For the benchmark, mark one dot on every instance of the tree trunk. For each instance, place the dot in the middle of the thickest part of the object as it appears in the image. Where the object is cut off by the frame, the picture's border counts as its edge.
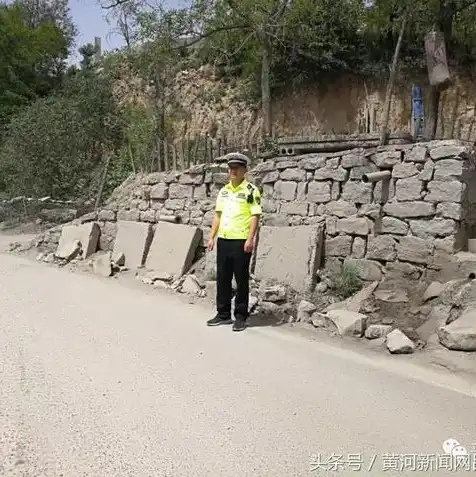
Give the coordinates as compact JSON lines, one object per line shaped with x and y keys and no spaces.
{"x":103,"y":181}
{"x":265,"y":87}
{"x":391,"y":81}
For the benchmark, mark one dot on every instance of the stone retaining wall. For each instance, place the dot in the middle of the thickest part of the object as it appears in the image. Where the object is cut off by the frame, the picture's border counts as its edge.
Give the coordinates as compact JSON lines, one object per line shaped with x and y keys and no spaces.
{"x":407,"y":224}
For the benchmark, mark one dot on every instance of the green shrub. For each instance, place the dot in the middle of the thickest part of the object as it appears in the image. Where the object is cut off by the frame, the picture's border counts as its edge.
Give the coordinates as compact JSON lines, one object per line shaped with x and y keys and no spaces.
{"x":346,"y":282}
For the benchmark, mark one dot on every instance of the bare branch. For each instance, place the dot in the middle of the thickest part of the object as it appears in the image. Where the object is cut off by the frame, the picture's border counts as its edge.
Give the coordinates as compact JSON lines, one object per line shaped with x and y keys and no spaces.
{"x":202,"y":36}
{"x":279,"y":11}
{"x":243,"y":44}
{"x":115,"y":4}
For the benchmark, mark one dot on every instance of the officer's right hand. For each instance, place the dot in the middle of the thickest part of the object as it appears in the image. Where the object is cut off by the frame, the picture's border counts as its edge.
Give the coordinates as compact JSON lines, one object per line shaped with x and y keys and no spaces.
{"x":210,"y":244}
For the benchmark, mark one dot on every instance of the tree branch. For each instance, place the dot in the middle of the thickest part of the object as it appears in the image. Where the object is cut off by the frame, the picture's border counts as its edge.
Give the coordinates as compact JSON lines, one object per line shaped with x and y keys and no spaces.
{"x":116,"y":3}
{"x":202,"y":36}
{"x":280,"y":9}
{"x":464,"y":5}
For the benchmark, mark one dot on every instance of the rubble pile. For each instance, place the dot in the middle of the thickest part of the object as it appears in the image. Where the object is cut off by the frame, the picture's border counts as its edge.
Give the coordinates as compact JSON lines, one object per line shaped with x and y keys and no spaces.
{"x":401,"y":236}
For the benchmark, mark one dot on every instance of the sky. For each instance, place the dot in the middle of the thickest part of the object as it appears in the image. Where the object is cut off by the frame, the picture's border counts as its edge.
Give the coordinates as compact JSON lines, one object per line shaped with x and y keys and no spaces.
{"x":90,"y":20}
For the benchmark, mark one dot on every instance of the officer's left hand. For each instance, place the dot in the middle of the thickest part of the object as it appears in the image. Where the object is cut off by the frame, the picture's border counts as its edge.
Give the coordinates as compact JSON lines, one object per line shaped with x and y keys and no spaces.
{"x":249,"y":246}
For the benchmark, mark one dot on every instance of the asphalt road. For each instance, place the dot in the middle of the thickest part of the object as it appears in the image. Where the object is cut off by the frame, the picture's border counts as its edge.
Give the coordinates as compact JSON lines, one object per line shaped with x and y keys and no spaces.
{"x":98,"y":378}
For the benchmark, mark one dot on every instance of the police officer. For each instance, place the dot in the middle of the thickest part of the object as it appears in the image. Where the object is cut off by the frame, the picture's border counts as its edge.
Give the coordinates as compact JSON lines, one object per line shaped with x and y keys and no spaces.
{"x":237,"y":213}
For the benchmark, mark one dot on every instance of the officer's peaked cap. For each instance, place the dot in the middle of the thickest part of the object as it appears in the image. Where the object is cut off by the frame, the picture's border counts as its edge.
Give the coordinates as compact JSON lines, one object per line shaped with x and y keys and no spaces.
{"x":236,"y":158}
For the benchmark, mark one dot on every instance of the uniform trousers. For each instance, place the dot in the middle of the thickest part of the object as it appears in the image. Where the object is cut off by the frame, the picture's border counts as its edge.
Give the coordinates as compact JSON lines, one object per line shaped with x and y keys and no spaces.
{"x":232,"y":260}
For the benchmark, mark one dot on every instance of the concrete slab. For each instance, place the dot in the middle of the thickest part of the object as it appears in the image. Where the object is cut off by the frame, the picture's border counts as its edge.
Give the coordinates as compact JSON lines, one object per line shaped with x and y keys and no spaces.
{"x":173,"y":248}
{"x":289,"y":255}
{"x":87,"y":234}
{"x":133,"y":239}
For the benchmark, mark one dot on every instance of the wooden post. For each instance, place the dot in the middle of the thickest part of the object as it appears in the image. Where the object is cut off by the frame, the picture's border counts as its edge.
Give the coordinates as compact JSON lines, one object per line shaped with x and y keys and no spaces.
{"x":391,"y":81}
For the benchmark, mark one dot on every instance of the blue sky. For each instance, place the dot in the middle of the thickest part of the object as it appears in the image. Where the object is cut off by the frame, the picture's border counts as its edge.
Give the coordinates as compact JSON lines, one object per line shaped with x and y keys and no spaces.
{"x":90,"y":20}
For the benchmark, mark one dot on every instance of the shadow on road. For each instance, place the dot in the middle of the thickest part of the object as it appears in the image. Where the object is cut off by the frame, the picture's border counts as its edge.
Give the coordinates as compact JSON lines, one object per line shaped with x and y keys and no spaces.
{"x":260,"y":320}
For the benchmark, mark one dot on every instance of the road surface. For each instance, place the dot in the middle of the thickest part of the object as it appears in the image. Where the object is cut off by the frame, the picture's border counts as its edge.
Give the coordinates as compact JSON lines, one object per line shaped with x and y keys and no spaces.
{"x":98,"y":378}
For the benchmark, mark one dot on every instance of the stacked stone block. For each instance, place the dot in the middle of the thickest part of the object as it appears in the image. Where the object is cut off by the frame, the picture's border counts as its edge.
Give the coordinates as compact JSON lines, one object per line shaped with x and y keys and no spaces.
{"x":411,"y":222}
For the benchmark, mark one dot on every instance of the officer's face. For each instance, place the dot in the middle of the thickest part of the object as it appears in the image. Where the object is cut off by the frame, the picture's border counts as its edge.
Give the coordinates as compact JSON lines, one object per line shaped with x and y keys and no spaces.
{"x":237,"y":172}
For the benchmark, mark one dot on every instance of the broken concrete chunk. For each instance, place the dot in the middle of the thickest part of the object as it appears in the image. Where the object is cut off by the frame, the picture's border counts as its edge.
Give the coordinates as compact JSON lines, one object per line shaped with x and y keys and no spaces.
{"x":133,"y":240}
{"x":348,"y":323}
{"x":399,"y":343}
{"x":392,"y":296}
{"x":460,"y":335}
{"x":268,"y":308}
{"x":437,"y":318}
{"x":119,"y":259}
{"x":274,"y":294}
{"x":305,"y":311}
{"x":145,"y":279}
{"x":355,"y":302}
{"x":289,"y":255}
{"x":433,"y":291}
{"x":321,"y":287}
{"x":374,"y":332}
{"x":49,"y":258}
{"x":190,"y":286}
{"x":102,"y":265}
{"x":69,"y":250}
{"x":158,"y":284}
{"x":320,"y":321}
{"x":159,"y":276}
{"x":459,"y":293}
{"x":86,"y":234}
{"x":173,"y":248}
{"x":447,"y":296}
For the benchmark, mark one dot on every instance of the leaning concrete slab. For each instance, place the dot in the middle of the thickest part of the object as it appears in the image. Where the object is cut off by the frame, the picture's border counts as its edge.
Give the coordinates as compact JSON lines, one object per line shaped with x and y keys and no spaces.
{"x":87,"y":234}
{"x":289,"y":255}
{"x":173,"y":248}
{"x":133,"y":239}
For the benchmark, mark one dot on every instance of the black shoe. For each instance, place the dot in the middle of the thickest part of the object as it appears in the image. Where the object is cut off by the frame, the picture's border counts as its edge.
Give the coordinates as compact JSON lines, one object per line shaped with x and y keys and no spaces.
{"x":239,"y":324}
{"x":219,"y":321}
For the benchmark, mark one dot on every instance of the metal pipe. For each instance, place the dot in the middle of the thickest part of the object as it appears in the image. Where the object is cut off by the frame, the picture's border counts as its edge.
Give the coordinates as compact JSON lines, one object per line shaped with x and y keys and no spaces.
{"x":376,"y":176}
{"x":173,"y":219}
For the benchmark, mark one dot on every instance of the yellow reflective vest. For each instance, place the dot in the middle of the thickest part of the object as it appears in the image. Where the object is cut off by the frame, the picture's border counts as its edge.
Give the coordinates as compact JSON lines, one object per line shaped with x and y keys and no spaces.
{"x":237,"y":206}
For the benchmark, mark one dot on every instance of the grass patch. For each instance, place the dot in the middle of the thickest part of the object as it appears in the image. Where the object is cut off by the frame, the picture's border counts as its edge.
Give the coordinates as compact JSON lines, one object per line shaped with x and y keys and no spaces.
{"x":346,"y":282}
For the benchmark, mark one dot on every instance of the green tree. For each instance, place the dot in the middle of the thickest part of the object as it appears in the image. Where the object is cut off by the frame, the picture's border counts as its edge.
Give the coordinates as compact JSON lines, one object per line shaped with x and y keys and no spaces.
{"x":56,"y":146}
{"x":455,"y":19}
{"x":279,"y":40}
{"x":33,"y":56}
{"x":88,"y":53}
